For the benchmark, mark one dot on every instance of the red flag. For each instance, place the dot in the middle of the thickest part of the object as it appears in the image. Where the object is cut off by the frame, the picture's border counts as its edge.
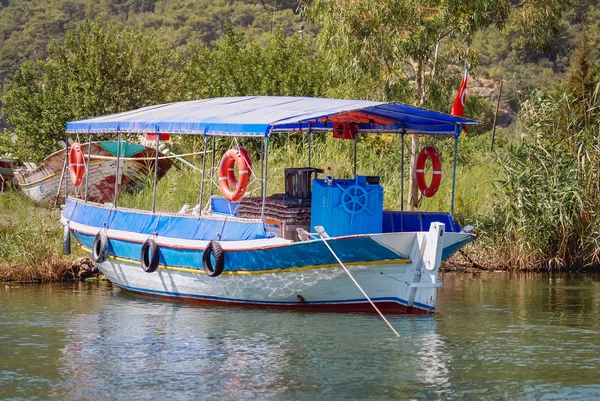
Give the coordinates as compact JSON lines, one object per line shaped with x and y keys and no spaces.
{"x":458,"y":108}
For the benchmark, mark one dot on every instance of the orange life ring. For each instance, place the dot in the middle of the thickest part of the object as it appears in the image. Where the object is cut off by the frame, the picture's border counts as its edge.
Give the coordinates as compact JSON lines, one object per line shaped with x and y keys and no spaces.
{"x":232,"y":157}
{"x":431,"y":153}
{"x":76,"y":164}
{"x":231,"y":180}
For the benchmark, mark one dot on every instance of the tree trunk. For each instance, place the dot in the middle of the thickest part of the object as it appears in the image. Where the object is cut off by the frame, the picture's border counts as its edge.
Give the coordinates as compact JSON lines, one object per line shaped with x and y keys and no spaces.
{"x":413,"y":188}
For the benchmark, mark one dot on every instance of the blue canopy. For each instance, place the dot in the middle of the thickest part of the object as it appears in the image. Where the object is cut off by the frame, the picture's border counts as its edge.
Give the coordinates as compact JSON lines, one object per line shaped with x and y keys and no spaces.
{"x":264,"y":115}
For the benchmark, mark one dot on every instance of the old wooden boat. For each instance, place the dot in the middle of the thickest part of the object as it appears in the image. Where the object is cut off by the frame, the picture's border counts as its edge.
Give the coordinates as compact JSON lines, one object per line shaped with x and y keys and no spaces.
{"x":325,"y":245}
{"x":43,"y":183}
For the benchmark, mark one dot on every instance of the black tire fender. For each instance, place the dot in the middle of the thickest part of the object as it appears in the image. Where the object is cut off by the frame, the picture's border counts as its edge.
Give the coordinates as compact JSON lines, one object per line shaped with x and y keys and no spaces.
{"x":67,"y":241}
{"x":100,"y":247}
{"x":215,"y":248}
{"x":149,"y":256}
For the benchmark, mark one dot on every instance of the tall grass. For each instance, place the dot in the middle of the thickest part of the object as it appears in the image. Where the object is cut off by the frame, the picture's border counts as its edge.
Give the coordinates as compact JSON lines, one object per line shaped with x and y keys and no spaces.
{"x":30,"y":241}
{"x":548,"y":212}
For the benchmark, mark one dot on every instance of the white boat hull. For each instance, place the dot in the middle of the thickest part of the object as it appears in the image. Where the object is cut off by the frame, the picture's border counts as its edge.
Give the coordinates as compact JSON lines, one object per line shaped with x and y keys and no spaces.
{"x":396,"y":287}
{"x":325,"y":289}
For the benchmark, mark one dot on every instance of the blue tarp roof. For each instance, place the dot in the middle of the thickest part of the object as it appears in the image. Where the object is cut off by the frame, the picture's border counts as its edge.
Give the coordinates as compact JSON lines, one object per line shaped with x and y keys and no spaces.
{"x":262,"y":115}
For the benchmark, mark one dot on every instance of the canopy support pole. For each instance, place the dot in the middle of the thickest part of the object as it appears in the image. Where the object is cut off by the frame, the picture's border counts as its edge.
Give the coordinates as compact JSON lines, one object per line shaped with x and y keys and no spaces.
{"x":355,"y":141}
{"x":456,"y":135}
{"x":402,"y":173}
{"x":155,"y":174}
{"x":265,"y":176}
{"x":87,"y":167}
{"x":62,"y":177}
{"x":309,"y":144}
{"x":212,"y":167}
{"x":203,"y":171}
{"x":66,"y":171}
{"x":262,"y":166}
{"x":118,"y":166}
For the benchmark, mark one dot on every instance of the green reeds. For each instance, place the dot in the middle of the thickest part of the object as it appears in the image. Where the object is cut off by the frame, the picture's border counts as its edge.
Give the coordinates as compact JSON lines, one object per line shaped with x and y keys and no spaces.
{"x":30,"y":241}
{"x":548,"y":214}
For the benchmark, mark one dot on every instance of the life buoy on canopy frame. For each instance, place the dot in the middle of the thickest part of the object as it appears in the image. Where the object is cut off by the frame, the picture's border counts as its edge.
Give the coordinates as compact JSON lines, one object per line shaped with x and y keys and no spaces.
{"x":76,"y":164}
{"x":226,"y":172}
{"x":429,"y":152}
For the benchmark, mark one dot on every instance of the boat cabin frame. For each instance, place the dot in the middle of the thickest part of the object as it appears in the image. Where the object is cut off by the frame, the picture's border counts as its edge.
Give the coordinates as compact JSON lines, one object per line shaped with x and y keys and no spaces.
{"x":262,"y":117}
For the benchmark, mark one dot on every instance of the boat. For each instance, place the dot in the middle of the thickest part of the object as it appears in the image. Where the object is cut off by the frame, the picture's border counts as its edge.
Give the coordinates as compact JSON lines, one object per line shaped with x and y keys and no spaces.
{"x":41,"y":183}
{"x":326,"y":244}
{"x":6,"y":172}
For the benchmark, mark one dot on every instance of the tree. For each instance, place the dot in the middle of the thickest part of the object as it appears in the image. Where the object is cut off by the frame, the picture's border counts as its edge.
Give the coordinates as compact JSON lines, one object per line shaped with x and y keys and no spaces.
{"x":583,"y":75}
{"x":237,"y":67}
{"x":234,"y":66}
{"x":401,"y":49}
{"x":102,"y":70}
{"x":98,"y":70}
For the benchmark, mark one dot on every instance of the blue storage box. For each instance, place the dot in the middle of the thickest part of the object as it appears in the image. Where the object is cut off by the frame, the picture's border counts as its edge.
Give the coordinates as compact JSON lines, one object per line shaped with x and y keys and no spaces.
{"x":347,"y":207}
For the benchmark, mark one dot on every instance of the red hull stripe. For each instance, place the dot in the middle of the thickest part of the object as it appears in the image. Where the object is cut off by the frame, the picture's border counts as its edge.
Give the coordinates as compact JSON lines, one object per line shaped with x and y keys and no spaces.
{"x":192,"y":248}
{"x":174,"y":246}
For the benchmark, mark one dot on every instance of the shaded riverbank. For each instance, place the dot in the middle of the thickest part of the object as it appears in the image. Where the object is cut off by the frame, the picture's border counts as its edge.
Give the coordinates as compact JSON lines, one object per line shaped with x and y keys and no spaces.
{"x":31,"y":244}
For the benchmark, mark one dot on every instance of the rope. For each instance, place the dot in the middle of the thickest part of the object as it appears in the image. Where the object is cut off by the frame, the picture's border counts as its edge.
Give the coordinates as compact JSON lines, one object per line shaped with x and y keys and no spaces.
{"x":324,"y":238}
{"x":98,"y":157}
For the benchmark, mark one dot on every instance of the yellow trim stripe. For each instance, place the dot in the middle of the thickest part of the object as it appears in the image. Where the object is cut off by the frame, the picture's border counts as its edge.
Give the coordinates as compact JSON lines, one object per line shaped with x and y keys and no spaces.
{"x":283,"y":270}
{"x":38,"y":181}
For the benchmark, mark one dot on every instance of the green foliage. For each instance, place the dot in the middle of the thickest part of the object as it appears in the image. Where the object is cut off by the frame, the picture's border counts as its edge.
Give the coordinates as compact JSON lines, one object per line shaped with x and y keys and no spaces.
{"x":102,"y":70}
{"x":106,"y":69}
{"x":28,"y":27}
{"x":401,"y":50}
{"x":533,"y":33}
{"x":510,"y":54}
{"x":387,"y":50}
{"x":176,"y":188}
{"x":583,"y":76}
{"x":98,"y":70}
{"x":548,"y":214}
{"x":30,"y":238}
{"x":536,"y":24}
{"x":234,"y":66}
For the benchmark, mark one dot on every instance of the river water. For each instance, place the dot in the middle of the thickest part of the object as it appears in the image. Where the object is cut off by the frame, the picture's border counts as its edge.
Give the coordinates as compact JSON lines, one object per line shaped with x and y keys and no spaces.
{"x":495,"y":336}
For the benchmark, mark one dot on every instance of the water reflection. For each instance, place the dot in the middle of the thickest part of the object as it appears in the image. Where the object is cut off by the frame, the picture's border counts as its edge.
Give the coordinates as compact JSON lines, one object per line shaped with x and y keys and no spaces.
{"x":494,"y":337}
{"x":523,"y":336}
{"x":143,"y":347}
{"x":434,"y":361}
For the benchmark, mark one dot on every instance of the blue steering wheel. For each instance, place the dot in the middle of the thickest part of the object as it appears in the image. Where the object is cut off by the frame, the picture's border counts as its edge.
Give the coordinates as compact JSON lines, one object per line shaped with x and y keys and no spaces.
{"x":354,"y":199}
